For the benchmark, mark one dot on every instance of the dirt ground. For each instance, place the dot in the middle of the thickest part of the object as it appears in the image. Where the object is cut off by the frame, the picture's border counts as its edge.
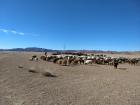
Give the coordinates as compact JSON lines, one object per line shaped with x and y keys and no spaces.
{"x":73,"y":85}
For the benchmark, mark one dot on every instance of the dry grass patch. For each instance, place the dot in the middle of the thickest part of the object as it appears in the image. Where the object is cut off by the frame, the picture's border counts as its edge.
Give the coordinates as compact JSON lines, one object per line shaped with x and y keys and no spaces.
{"x":48,"y":74}
{"x":33,"y":70}
{"x":20,"y":66}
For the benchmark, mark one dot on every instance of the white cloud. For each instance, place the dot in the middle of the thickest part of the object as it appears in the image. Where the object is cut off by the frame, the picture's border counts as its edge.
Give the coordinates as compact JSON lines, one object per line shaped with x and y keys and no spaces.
{"x":21,"y":33}
{"x":4,"y":30}
{"x":12,"y":32}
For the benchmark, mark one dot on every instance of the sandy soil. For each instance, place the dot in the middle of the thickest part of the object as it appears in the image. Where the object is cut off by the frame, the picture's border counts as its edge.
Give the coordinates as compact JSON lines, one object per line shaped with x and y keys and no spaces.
{"x":73,"y":85}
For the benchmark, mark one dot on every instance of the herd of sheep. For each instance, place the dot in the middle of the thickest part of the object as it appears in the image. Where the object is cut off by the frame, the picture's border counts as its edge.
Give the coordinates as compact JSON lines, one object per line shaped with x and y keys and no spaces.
{"x":74,"y":59}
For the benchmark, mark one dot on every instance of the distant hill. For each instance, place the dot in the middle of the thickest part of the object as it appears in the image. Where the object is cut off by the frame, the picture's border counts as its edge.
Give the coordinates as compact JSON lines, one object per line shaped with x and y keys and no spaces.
{"x":36,"y":49}
{"x":29,"y":49}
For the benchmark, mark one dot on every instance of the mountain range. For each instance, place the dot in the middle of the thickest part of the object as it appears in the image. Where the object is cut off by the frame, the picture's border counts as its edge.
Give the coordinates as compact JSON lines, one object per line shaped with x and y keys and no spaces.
{"x":36,"y":49}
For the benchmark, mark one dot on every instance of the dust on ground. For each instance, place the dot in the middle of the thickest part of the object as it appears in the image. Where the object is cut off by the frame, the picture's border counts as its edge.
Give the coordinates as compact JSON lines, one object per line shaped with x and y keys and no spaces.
{"x":72,"y":85}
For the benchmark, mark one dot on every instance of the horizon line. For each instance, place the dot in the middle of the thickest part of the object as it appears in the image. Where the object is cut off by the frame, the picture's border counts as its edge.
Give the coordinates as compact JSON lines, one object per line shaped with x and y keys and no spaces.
{"x":73,"y":49}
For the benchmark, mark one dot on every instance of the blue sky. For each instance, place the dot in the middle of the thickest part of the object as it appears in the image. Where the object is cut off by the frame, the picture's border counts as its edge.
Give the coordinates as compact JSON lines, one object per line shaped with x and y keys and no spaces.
{"x":77,"y":24}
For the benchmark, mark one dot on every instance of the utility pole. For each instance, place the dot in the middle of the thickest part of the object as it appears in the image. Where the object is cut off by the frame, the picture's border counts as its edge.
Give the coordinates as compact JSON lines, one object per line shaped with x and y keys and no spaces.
{"x":64,"y":48}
